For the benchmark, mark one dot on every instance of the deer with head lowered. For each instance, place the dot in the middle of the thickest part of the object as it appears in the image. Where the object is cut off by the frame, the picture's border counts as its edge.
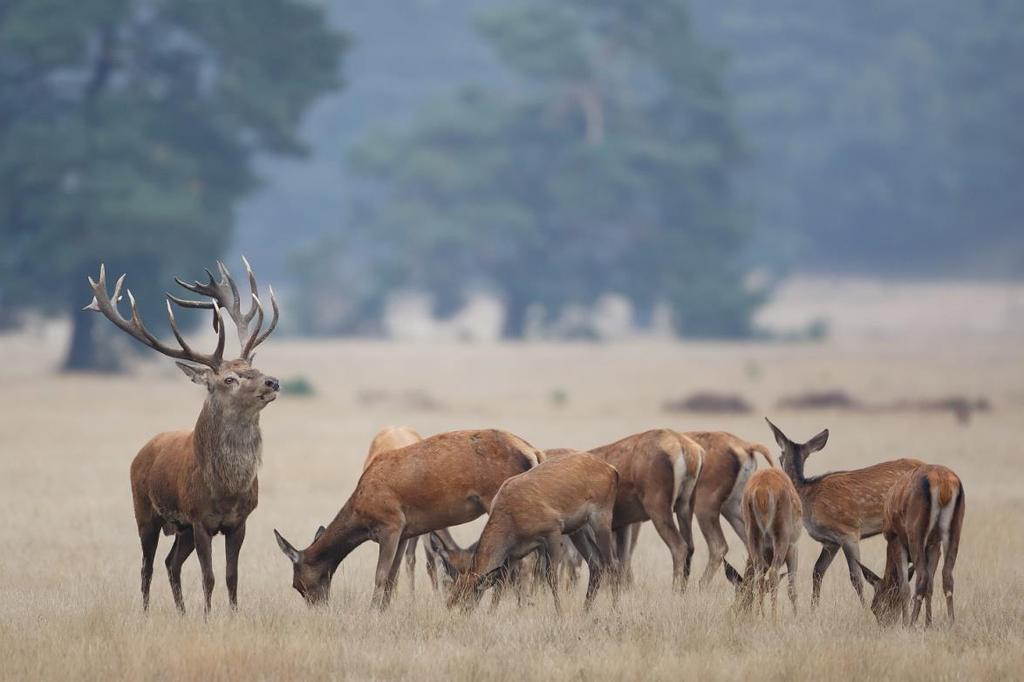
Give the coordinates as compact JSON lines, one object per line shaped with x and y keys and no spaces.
{"x":839,"y":507}
{"x":196,"y":484}
{"x":924,"y":514}
{"x":442,"y":481}
{"x":568,"y":495}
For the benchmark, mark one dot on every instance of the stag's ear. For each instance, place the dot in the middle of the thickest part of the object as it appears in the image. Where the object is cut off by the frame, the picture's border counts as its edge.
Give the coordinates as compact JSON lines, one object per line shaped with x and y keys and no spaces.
{"x":319,"y":533}
{"x":816,"y":443}
{"x":872,"y":579}
{"x":439,"y":549}
{"x":198,"y":375}
{"x":286,"y":547}
{"x":733,"y":575}
{"x":780,"y":437}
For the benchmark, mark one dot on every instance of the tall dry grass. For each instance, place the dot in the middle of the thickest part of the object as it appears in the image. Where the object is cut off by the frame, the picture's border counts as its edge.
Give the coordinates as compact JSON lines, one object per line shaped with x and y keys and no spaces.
{"x":69,"y":566}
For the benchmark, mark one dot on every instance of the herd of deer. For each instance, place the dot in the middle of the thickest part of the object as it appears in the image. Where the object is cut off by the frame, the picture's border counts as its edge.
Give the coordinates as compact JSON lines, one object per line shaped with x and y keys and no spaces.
{"x":554,"y":507}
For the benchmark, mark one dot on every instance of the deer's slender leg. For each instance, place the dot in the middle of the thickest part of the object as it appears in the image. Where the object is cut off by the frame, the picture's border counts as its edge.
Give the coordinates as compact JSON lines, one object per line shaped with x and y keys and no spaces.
{"x":232,"y":548}
{"x":684,"y":516}
{"x":553,"y":549}
{"x":828,"y":553}
{"x":852,"y":552}
{"x":949,"y":550}
{"x":149,"y":535}
{"x":792,"y":559}
{"x":389,"y":542}
{"x":389,"y":588}
{"x":204,"y":550}
{"x":661,"y":517}
{"x":180,"y":551}
{"x":431,"y":564}
{"x":931,"y":565}
{"x":711,"y":528}
{"x":410,"y":561}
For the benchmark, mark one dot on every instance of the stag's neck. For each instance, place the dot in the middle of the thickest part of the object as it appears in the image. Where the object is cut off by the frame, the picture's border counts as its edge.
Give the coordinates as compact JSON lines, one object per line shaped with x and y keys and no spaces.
{"x":228,"y":448}
{"x":344,"y":534}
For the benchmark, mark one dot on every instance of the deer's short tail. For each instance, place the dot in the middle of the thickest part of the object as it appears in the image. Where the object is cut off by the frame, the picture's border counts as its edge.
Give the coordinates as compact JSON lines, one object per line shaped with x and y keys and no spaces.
{"x":764,"y":452}
{"x":942,"y":489}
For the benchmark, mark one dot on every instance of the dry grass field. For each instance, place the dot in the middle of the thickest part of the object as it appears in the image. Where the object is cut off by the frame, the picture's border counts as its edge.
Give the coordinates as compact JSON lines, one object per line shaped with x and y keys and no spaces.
{"x":69,"y":594}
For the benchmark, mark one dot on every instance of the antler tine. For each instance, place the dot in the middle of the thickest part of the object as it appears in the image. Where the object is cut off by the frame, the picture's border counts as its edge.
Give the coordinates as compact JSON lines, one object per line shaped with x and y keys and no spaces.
{"x":273,"y":322}
{"x":218,"y":353}
{"x":252,"y":287}
{"x":102,"y":303}
{"x":250,"y":344}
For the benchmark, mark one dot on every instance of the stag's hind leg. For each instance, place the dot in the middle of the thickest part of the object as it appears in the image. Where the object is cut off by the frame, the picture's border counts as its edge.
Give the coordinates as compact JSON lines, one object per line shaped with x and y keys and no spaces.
{"x":149,"y":535}
{"x":184,"y":543}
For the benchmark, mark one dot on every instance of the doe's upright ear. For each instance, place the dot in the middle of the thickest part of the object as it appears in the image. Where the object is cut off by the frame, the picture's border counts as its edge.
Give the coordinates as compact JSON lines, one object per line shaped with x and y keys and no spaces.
{"x":780,"y":437}
{"x":286,"y":547}
{"x":816,"y":443}
{"x":732,"y":575}
{"x":869,"y":575}
{"x":198,"y":375}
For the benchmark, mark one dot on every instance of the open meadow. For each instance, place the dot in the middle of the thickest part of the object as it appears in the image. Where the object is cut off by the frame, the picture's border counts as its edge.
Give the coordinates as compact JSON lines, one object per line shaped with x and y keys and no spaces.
{"x":69,"y":572}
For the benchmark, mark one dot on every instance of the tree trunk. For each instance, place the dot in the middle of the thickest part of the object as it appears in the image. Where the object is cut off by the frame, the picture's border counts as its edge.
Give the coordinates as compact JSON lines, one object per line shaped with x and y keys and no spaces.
{"x":516,"y":307}
{"x":82,"y":350}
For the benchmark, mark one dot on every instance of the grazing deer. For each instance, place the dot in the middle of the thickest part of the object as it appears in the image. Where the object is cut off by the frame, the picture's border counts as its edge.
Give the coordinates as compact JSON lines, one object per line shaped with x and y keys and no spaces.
{"x":924,"y":513}
{"x":840,"y":507}
{"x":441,"y":481}
{"x":393,"y":438}
{"x":198,"y":483}
{"x":570,"y":495}
{"x":728,"y":463}
{"x":658,"y":471}
{"x":771,"y":513}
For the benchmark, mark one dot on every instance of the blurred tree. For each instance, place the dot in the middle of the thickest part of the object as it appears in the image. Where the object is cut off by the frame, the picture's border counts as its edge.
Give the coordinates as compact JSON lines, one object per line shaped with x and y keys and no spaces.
{"x":128,"y":129}
{"x":606,"y":168}
{"x":881,"y":131}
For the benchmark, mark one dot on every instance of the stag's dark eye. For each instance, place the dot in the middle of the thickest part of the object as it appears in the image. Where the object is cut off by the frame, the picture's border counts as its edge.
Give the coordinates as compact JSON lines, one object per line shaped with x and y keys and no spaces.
{"x":230,"y":380}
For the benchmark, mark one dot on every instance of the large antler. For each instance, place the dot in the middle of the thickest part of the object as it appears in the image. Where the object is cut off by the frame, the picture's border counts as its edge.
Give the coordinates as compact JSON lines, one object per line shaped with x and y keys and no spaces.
{"x":224,"y":294}
{"x":102,"y":303}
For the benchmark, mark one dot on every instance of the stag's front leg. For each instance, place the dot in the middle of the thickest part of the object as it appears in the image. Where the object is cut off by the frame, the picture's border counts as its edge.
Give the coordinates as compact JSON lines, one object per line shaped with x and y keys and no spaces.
{"x":204,"y":550}
{"x":232,"y":548}
{"x":389,"y":541}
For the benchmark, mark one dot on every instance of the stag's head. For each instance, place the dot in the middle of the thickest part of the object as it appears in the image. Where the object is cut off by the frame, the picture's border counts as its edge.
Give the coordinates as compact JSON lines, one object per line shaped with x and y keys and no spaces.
{"x":233,"y":385}
{"x":793,"y":454}
{"x":311,"y":579}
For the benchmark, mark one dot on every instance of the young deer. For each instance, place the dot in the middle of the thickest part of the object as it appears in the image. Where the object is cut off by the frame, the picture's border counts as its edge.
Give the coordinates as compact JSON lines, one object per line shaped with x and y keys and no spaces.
{"x":658,"y":470}
{"x":570,"y":495}
{"x":441,"y":481}
{"x":728,"y":464}
{"x":840,"y":507}
{"x":393,"y":438}
{"x":198,"y":483}
{"x":924,"y":514}
{"x":771,"y":513}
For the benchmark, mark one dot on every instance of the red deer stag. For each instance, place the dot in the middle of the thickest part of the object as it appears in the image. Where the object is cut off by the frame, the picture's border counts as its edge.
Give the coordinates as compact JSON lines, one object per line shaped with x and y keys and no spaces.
{"x":840,"y":507}
{"x":441,"y":481}
{"x":393,"y":438}
{"x":572,"y":495}
{"x":924,"y":513}
{"x":658,"y":470}
{"x":728,"y":464}
{"x":771,"y":513}
{"x":198,"y":483}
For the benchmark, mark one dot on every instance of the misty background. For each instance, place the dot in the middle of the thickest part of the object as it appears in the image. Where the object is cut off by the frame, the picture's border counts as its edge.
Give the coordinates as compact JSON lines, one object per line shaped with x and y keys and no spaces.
{"x":672,"y":165}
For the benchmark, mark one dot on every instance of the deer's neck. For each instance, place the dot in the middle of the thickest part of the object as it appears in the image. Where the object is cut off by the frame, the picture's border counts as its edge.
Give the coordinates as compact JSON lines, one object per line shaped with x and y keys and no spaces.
{"x":229,"y":448}
{"x":344,"y":534}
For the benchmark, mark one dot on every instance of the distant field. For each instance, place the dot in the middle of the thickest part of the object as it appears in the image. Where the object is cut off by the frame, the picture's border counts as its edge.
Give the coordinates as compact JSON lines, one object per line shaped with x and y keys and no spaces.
{"x":69,"y":569}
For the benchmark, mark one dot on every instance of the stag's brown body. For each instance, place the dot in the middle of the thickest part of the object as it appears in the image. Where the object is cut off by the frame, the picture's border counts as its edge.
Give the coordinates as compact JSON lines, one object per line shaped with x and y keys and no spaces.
{"x":841,"y":507}
{"x":196,"y":484}
{"x":441,"y":481}
{"x":772,"y":515}
{"x":564,"y":495}
{"x":924,"y":514}
{"x":658,"y":471}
